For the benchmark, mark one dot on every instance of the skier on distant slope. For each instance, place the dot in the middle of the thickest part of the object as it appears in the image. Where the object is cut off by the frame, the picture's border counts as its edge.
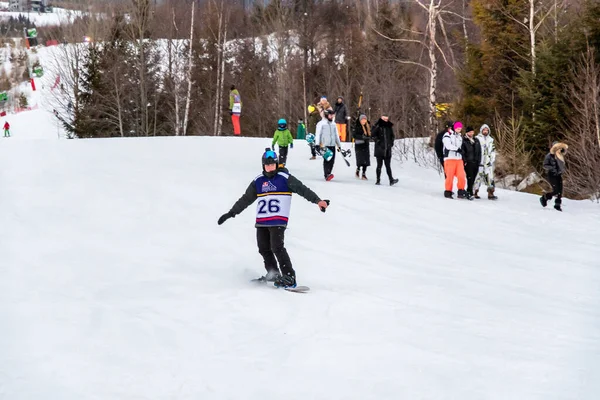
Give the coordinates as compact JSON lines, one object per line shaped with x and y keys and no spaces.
{"x":274,"y":188}
{"x":6,"y":129}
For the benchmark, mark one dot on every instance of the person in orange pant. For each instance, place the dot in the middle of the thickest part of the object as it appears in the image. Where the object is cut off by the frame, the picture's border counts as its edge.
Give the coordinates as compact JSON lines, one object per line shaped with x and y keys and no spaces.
{"x":454,"y":166}
{"x":235,"y":109}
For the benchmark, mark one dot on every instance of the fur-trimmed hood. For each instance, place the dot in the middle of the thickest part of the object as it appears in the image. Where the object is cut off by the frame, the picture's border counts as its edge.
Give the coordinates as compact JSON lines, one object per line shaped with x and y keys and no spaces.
{"x":556,"y":150}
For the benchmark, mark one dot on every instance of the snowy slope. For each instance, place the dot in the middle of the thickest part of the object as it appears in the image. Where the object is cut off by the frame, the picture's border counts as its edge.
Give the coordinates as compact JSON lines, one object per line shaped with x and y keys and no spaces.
{"x":57,"y":17}
{"x":117,"y":283}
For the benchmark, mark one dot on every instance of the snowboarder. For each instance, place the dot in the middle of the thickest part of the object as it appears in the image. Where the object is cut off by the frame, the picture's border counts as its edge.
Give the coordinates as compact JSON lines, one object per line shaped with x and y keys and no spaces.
{"x":383,"y":135}
{"x":6,"y":129}
{"x":283,"y":138}
{"x":454,"y":166}
{"x":328,"y":139}
{"x":471,"y":152}
{"x":235,"y":109}
{"x":273,"y":188}
{"x":362,"y":137}
{"x":486,"y":166}
{"x":554,"y":165}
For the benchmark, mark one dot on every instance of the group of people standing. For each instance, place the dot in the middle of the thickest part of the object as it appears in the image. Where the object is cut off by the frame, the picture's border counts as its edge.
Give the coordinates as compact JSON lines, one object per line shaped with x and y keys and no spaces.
{"x":327,"y":129}
{"x":470,"y":159}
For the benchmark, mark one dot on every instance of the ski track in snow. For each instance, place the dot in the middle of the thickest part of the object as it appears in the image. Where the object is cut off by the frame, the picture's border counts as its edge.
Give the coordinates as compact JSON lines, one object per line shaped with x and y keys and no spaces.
{"x":117,"y":283}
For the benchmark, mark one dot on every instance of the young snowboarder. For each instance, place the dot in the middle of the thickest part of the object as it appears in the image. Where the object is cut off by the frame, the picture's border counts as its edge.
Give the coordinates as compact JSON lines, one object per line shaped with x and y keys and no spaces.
{"x":283,"y":138}
{"x":486,"y":167}
{"x":273,"y":188}
{"x":454,"y":166}
{"x":328,"y":139}
{"x":471,"y":152}
{"x":554,"y":165}
{"x":6,"y":129}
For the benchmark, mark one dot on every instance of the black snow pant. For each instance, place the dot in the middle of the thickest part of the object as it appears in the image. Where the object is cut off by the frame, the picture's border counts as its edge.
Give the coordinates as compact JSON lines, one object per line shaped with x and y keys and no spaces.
{"x":557,"y":188}
{"x":272,"y":248}
{"x":471,"y":169}
{"x":313,"y":150}
{"x":328,"y":165}
{"x":283,"y":152}
{"x":388,"y":166}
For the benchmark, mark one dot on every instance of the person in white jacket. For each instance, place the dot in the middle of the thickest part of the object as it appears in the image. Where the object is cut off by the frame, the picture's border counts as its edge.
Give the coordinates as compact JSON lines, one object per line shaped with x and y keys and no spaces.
{"x":328,"y":138}
{"x":488,"y":160}
{"x":454,"y":166}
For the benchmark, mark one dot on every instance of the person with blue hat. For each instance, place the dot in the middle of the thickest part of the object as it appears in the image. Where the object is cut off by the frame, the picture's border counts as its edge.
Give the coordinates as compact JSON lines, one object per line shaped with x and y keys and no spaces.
{"x":283,"y":138}
{"x":273,"y":189}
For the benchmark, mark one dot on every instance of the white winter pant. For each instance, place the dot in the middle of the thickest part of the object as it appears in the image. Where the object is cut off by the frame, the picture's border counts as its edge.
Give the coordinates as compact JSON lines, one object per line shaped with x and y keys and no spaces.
{"x":485,"y":176}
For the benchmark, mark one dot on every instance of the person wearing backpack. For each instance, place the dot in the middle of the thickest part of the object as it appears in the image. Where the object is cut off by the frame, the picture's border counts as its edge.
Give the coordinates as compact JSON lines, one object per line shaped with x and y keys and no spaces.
{"x":439,"y":145}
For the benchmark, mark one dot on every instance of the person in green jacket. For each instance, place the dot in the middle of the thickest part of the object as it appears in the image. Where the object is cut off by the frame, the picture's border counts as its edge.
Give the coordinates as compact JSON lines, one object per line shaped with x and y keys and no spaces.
{"x":283,"y":137}
{"x":301,"y":132}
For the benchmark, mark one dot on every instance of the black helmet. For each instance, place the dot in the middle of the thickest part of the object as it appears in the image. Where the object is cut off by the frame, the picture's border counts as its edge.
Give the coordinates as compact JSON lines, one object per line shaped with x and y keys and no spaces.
{"x":269,"y":157}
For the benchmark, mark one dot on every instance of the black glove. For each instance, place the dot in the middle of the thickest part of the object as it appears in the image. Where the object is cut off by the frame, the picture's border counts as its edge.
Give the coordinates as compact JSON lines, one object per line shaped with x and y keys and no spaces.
{"x":459,"y":151}
{"x":225,"y":217}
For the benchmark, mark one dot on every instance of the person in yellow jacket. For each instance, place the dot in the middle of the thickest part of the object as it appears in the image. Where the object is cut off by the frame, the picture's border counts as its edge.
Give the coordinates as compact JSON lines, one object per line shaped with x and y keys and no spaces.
{"x":283,"y":138}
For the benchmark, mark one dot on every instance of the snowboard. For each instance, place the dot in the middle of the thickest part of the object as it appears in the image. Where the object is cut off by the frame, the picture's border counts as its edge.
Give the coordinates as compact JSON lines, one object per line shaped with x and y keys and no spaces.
{"x":297,"y":289}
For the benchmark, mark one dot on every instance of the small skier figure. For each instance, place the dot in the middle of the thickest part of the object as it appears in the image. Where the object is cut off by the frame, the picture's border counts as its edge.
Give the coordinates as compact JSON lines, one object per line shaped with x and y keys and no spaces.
{"x":6,"y":129}
{"x":273,"y":188}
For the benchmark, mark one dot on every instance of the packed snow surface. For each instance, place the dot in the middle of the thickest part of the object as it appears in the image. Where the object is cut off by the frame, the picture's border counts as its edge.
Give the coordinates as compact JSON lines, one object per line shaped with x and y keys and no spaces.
{"x":117,"y":283}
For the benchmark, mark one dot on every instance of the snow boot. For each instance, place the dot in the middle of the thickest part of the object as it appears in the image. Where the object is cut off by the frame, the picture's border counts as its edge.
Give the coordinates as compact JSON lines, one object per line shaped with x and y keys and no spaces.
{"x":544,"y":200}
{"x":285,"y":281}
{"x":491,"y":195}
{"x":364,"y":177}
{"x":463,"y":194}
{"x":329,"y":177}
{"x":357,"y":173}
{"x":378,"y":182}
{"x":393,"y":181}
{"x":313,"y":158}
{"x":271,"y":276}
{"x":476,"y":195}
{"x":557,"y":207}
{"x":448,"y":194}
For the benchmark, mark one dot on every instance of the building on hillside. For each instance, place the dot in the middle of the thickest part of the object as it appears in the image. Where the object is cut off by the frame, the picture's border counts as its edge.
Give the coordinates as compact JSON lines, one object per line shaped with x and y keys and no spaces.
{"x":27,"y":5}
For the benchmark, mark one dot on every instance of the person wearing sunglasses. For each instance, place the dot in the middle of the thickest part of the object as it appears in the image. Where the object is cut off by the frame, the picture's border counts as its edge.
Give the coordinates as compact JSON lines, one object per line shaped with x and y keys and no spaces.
{"x":273,"y":188}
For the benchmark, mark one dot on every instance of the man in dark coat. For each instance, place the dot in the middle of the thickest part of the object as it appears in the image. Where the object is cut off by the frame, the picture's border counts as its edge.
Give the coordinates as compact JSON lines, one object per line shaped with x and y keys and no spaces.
{"x":362,"y":137}
{"x":554,"y":165}
{"x":383,"y":135}
{"x":471,"y":152}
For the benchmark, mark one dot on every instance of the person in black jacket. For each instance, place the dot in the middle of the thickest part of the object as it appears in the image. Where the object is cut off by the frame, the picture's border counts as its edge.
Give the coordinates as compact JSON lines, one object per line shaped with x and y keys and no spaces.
{"x":471,"y":152}
{"x":273,"y":188}
{"x":362,"y":137}
{"x":439,"y":144}
{"x":383,"y":135}
{"x":554,"y":165}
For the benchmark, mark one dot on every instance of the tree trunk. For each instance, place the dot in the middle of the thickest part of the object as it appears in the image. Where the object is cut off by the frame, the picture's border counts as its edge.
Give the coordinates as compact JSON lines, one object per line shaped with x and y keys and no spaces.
{"x":189,"y":77}
{"x":433,"y":65}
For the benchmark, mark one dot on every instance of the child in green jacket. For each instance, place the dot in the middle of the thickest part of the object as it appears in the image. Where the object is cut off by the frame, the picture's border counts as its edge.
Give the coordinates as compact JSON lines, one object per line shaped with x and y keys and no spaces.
{"x":283,"y":137}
